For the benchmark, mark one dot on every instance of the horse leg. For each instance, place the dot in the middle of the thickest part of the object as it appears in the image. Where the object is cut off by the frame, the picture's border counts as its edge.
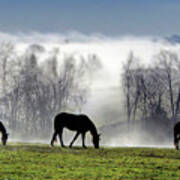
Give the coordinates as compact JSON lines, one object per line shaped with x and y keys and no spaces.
{"x":176,"y":140}
{"x":60,"y":138}
{"x":75,"y":137}
{"x":53,"y":138}
{"x":83,"y":140}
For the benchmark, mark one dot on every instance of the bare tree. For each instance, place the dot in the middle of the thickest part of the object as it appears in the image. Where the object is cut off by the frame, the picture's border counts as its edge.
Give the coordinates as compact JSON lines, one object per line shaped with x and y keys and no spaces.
{"x":167,"y":62}
{"x":129,"y":78}
{"x":31,"y":93}
{"x":145,"y":89}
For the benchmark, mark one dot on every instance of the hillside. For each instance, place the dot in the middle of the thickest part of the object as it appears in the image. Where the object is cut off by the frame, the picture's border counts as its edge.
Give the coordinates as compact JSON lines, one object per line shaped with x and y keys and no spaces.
{"x":35,"y":161}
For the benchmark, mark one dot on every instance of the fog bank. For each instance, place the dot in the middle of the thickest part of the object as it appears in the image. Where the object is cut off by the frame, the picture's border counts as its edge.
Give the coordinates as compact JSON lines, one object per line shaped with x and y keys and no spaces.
{"x":105,"y":97}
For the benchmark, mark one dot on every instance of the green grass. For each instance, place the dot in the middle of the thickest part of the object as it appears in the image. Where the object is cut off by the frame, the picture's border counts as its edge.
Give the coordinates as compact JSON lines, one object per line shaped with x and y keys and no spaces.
{"x":35,"y":161}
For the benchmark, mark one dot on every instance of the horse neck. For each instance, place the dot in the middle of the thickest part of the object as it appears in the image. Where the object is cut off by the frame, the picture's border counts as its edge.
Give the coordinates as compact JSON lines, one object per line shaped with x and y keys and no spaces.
{"x":2,"y":129}
{"x":93,"y":130}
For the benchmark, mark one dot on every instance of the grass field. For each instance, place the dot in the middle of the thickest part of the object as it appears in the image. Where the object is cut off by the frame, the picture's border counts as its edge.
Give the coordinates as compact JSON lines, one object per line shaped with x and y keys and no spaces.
{"x":36,"y":161}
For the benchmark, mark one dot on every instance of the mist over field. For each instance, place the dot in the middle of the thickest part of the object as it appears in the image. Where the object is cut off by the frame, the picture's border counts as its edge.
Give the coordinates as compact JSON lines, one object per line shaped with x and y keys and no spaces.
{"x":105,"y":96}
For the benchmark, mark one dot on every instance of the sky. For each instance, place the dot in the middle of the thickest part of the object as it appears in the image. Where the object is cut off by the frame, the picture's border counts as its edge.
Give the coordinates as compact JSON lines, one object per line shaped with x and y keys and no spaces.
{"x":108,"y":17}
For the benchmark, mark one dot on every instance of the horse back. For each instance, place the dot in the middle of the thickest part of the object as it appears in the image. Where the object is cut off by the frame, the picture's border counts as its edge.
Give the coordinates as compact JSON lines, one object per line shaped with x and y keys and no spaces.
{"x":73,"y":122}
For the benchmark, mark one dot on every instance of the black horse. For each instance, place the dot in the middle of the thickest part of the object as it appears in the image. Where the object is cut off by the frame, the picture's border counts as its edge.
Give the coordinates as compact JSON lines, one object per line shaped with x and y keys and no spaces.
{"x":177,"y":135}
{"x":79,"y":123}
{"x":4,"y":134}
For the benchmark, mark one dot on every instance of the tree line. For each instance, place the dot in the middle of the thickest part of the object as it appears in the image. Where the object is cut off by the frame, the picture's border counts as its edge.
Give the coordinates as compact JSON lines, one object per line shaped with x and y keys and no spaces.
{"x":33,"y":88}
{"x":33,"y":91}
{"x":152,"y":92}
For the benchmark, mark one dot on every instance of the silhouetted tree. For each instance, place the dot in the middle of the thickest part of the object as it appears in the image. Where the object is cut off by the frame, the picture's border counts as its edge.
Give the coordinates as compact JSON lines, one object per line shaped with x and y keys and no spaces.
{"x":34,"y":90}
{"x":131,"y":86}
{"x":146,"y":89}
{"x":167,"y":61}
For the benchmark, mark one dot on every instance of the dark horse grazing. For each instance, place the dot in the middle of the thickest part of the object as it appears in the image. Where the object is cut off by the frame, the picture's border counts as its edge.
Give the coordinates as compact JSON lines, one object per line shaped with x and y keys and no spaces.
{"x":4,"y":134}
{"x":177,"y":134}
{"x":79,"y":123}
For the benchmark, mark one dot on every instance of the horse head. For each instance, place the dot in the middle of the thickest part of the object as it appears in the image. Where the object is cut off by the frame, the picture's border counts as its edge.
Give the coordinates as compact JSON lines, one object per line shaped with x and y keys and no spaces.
{"x":95,"y":140}
{"x":4,"y":138}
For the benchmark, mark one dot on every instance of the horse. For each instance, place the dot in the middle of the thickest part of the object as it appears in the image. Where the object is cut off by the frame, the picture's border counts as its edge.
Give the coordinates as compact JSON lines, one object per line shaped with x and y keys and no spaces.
{"x":79,"y":123}
{"x":4,"y":134}
{"x":177,"y":135}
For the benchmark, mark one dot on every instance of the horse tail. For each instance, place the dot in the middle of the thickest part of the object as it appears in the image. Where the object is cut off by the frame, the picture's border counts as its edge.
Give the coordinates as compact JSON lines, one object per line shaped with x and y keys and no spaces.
{"x":56,"y":123}
{"x":54,"y":137}
{"x":175,"y":138}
